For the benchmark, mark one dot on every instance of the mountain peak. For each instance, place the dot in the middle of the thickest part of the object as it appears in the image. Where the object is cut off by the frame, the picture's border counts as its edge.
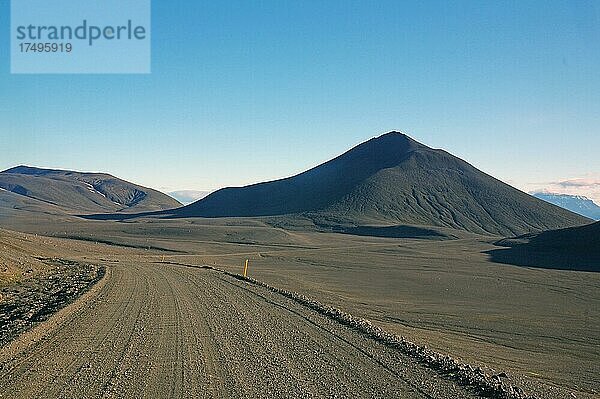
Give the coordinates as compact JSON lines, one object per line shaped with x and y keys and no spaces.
{"x":396,"y":139}
{"x":25,"y":170}
{"x":394,"y":133}
{"x":35,"y":171}
{"x":381,"y":152}
{"x":392,"y":179}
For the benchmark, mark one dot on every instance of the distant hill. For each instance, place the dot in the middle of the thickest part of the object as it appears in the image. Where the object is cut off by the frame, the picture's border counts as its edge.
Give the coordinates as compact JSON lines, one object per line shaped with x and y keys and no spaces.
{"x":574,"y":248}
{"x":575,"y":203}
{"x":77,"y":192}
{"x":392,"y":180}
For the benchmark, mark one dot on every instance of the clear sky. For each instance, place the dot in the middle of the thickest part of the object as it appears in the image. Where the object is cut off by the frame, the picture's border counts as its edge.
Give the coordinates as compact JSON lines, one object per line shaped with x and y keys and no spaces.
{"x":246,"y":91}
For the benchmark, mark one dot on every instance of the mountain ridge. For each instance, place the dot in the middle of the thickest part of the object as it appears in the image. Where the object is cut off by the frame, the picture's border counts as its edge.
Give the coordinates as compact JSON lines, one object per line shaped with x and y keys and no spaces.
{"x":392,"y":179}
{"x":82,"y":191}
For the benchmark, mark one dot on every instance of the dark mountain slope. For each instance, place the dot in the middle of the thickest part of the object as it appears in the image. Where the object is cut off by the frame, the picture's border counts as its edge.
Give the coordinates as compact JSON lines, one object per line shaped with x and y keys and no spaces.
{"x":82,"y":192}
{"x":393,"y":179}
{"x":312,"y":190}
{"x":574,"y":248}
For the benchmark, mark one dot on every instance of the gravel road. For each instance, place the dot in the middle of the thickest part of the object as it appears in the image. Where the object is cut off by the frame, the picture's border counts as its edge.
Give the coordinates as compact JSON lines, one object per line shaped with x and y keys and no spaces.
{"x":166,"y":331}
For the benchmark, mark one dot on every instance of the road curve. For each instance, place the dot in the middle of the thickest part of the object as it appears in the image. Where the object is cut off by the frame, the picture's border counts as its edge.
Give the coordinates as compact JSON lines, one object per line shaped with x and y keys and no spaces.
{"x":166,"y":331}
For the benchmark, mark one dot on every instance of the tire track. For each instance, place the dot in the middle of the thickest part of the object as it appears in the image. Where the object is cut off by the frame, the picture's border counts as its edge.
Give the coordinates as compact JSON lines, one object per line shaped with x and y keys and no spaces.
{"x":163,"y":331}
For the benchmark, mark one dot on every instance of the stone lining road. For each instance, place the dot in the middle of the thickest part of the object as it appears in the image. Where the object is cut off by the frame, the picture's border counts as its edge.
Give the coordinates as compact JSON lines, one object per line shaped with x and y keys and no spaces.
{"x":168,"y":331}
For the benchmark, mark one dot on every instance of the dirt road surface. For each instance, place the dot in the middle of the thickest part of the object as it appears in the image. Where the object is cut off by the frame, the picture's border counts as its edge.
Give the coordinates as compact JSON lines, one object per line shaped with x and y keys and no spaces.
{"x":166,"y":331}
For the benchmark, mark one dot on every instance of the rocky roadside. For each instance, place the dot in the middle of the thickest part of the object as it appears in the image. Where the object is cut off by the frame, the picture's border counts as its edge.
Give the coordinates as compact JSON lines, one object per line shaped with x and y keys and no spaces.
{"x":31,"y":301}
{"x":490,"y":386}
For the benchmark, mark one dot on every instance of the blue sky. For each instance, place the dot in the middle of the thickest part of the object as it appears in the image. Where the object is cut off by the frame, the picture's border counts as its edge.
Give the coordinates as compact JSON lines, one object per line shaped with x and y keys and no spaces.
{"x":242,"y":92}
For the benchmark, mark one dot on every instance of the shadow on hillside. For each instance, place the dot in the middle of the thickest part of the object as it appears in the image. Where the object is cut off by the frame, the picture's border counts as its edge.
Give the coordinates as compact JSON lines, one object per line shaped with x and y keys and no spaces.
{"x":392,"y":232}
{"x":546,"y":258}
{"x":118,"y":217}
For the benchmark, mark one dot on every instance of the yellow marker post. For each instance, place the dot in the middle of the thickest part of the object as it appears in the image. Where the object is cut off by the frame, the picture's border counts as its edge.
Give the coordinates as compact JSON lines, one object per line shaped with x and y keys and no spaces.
{"x":246,"y":268}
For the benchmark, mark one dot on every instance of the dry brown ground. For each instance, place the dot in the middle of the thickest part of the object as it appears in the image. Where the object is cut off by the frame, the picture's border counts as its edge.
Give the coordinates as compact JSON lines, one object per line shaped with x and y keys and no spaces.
{"x":164,"y":331}
{"x":540,"y":324}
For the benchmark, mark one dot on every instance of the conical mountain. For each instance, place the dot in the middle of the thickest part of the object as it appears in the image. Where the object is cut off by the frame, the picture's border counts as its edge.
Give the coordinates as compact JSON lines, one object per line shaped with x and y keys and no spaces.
{"x":392,"y":179}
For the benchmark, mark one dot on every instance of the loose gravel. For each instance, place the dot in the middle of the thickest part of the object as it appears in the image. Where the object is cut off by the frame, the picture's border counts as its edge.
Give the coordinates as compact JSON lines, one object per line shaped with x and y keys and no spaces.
{"x":492,"y":386}
{"x":34,"y":300}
